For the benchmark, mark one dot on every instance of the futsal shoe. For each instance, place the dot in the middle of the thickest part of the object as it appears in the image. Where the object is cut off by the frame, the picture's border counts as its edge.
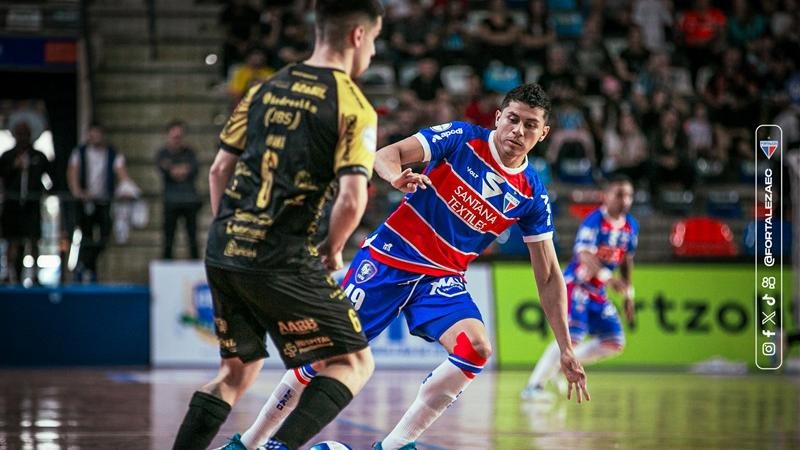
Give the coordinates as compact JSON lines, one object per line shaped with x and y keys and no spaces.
{"x":537,"y":394}
{"x":409,"y":446}
{"x":273,"y":444}
{"x":234,"y":443}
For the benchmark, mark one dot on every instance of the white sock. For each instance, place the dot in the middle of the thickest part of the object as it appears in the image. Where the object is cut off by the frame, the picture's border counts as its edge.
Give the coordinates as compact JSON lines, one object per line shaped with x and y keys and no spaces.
{"x":547,"y":367}
{"x":438,"y":391}
{"x":281,"y":403}
{"x":592,"y":351}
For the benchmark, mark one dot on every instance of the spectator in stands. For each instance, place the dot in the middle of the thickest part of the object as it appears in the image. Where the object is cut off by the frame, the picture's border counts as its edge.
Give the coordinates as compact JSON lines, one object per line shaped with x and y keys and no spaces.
{"x":732,"y":93}
{"x":538,"y":34}
{"x":254,"y":71}
{"x":270,"y":28}
{"x":427,"y":85}
{"x":625,"y":149}
{"x":178,"y":166}
{"x":745,"y":26}
{"x":670,"y":158}
{"x":240,"y":22}
{"x":496,"y":37}
{"x":558,"y":78}
{"x":413,"y":36}
{"x":634,"y":56}
{"x":592,"y":58}
{"x":654,"y":18}
{"x":617,"y":17}
{"x":94,"y":170}
{"x":21,"y":170}
{"x":571,"y":138}
{"x":295,"y":42}
{"x":702,"y":30}
{"x":455,"y":42}
{"x":656,"y":77}
{"x":699,"y":132}
{"x":482,"y":106}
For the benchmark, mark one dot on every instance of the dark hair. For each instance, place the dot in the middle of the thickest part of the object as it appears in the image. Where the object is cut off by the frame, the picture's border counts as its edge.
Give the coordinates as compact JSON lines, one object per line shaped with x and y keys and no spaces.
{"x":176,"y":123}
{"x":335,"y":18}
{"x":617,"y":178}
{"x":530,"y":94}
{"x":96,"y":124}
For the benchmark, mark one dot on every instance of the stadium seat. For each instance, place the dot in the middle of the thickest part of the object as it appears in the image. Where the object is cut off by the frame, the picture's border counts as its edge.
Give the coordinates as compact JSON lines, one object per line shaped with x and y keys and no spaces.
{"x":615,"y":46}
{"x":542,"y":169}
{"x":702,"y":237}
{"x":642,"y":205}
{"x":583,"y":202}
{"x":575,"y":170}
{"x":703,"y":77}
{"x":379,"y":77}
{"x":407,"y":74}
{"x":677,"y":201}
{"x":780,"y":227}
{"x":724,"y":204}
{"x":456,"y":79}
{"x":681,"y":81}
{"x":533,"y":72}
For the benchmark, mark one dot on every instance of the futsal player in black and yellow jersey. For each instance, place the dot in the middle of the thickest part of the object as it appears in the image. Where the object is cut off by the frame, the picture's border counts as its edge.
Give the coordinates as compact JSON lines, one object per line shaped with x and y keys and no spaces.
{"x":288,"y":142}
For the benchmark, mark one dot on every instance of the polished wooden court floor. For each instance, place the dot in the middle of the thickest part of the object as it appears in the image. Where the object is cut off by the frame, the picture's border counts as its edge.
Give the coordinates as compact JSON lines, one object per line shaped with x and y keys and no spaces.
{"x":141,"y":409}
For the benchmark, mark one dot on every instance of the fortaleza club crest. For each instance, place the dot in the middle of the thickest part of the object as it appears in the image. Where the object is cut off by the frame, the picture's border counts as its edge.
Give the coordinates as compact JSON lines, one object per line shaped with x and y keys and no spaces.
{"x":768,"y":147}
{"x":366,"y":270}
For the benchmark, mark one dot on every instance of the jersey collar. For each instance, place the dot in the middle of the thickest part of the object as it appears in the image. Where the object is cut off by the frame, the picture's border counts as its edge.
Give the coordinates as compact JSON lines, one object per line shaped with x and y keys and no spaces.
{"x":616,"y":223}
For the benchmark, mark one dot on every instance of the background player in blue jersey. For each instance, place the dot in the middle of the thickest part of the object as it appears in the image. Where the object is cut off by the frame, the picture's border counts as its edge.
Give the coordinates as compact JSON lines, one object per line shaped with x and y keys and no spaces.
{"x":606,"y":240}
{"x":476,"y":185}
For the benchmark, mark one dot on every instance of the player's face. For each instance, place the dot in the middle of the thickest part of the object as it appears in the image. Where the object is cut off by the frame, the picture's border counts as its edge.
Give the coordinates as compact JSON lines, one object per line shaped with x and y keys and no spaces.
{"x":519,"y":127}
{"x":619,"y":198}
{"x":365,"y":47}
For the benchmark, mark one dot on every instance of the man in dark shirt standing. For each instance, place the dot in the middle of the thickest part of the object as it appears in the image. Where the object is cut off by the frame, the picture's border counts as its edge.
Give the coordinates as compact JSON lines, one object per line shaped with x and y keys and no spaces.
{"x":21,"y":169}
{"x":178,"y":165}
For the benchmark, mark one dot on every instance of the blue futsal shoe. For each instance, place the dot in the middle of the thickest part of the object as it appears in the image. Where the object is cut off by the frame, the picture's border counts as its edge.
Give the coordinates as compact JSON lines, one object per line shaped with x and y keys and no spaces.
{"x":234,"y":443}
{"x":409,"y":446}
{"x":273,"y":444}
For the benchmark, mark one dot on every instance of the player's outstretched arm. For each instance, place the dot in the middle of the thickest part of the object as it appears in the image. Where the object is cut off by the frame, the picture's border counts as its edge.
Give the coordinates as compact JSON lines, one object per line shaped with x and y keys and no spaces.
{"x":218,"y":176}
{"x":553,"y":295}
{"x":345,"y":216}
{"x":390,"y":160}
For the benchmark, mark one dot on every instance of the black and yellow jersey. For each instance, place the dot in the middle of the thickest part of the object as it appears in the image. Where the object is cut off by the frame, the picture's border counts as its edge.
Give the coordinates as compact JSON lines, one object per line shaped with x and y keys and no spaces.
{"x":295,"y":133}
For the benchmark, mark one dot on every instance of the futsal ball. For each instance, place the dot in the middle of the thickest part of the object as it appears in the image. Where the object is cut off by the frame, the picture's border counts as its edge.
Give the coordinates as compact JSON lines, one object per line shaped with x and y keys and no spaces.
{"x":330,"y":445}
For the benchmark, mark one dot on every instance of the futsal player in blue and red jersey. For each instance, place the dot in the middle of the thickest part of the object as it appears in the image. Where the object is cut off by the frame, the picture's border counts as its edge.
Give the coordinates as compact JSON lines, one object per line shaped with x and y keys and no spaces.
{"x":606,"y":240}
{"x":477,"y":184}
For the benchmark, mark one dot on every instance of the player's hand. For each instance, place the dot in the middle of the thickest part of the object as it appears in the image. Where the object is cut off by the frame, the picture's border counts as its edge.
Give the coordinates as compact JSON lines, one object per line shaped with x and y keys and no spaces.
{"x":618,"y":285}
{"x":630,"y":309}
{"x":332,"y":260}
{"x":576,"y":377}
{"x":408,"y":181}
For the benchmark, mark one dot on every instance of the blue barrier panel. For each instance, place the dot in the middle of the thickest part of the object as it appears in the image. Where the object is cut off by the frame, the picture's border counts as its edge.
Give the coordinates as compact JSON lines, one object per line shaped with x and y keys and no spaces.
{"x":75,"y":326}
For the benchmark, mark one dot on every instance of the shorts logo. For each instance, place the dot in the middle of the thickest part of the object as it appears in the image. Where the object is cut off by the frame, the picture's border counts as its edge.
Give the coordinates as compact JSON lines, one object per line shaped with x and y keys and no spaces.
{"x":366,"y":270}
{"x":290,"y":350}
{"x":442,"y":127}
{"x":448,"y":287}
{"x":768,"y":148}
{"x":303,"y":326}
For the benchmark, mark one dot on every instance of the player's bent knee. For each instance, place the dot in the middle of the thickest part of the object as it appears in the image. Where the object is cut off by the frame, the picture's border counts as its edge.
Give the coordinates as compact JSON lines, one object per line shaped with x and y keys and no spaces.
{"x":615,"y":346}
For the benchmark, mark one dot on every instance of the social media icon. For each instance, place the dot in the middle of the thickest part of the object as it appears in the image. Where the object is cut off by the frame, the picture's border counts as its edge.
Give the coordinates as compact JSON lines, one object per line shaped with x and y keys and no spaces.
{"x":768,"y":348}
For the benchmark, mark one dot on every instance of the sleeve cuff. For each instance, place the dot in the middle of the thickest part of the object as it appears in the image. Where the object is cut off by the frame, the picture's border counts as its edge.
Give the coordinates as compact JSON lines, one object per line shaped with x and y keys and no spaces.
{"x":426,"y":147}
{"x":230,"y":149}
{"x":538,"y":237}
{"x":351,"y":170}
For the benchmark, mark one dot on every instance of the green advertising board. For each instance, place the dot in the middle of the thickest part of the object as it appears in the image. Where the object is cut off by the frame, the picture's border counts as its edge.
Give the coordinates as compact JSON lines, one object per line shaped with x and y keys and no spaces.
{"x":685,"y":314}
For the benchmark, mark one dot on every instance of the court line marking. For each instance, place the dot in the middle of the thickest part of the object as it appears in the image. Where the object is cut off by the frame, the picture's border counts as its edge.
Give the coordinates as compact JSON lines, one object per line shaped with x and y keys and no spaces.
{"x":370,"y":429}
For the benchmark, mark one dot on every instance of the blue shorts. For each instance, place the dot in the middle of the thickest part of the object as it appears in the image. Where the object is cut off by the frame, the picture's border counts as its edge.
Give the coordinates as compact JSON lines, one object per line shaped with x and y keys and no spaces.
{"x":430,"y":304}
{"x":589,"y":317}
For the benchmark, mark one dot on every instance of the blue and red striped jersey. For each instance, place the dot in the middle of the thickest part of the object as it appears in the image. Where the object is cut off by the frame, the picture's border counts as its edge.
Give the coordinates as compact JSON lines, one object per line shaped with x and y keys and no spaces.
{"x":610,"y":241}
{"x":474,"y":198}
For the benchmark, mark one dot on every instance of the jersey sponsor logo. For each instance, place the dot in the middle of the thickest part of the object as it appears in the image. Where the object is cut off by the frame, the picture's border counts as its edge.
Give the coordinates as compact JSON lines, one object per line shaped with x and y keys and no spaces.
{"x":491,"y":185}
{"x":302,"y":326}
{"x":608,"y":254}
{"x":446,"y":134}
{"x":509,"y":202}
{"x":370,"y":138}
{"x":442,"y":127}
{"x":366,"y":270}
{"x":448,"y":287}
{"x":471,"y":208}
{"x":318,"y":90}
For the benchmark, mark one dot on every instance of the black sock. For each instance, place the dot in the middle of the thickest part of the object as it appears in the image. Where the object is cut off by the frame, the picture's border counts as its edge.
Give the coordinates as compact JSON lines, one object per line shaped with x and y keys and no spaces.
{"x":206,"y":414}
{"x":322,"y":400}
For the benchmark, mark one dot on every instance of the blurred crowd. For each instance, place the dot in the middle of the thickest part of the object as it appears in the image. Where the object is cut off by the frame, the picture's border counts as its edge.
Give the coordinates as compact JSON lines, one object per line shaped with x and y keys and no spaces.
{"x":667,"y":92}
